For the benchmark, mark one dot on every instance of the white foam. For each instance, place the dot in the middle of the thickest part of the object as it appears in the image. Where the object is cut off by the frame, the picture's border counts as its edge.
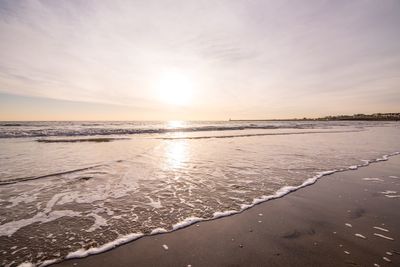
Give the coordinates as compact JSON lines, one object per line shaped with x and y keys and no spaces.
{"x":389,"y":192}
{"x":25,"y":198}
{"x":48,"y":262}
{"x":383,"y":158}
{"x":186,"y":222}
{"x":376,"y":265}
{"x":26,"y":264}
{"x":389,"y":253}
{"x":122,"y":240}
{"x":380,"y":228}
{"x":383,"y":236}
{"x":98,"y":222}
{"x":360,"y":236}
{"x":10,"y":228}
{"x":348,"y":253}
{"x":386,"y":259}
{"x":394,"y":177}
{"x":354,"y":167}
{"x":158,"y":231}
{"x":53,"y":201}
{"x":154,"y":204}
{"x":165,"y":247}
{"x":392,"y":196}
{"x":191,"y":220}
{"x":373,"y":179}
{"x":287,"y":189}
{"x":348,"y":225}
{"x":220,"y":214}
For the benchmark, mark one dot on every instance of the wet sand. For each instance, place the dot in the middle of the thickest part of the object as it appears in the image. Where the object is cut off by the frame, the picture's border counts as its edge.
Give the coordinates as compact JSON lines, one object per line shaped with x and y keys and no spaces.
{"x":314,"y":226}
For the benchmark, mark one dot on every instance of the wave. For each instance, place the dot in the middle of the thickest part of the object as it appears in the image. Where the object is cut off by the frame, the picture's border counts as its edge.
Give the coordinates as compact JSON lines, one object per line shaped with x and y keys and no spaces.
{"x":48,"y":129}
{"x":84,"y":131}
{"x":20,"y":124}
{"x":11,"y":124}
{"x":24,"y":179}
{"x":192,"y":220}
{"x":255,"y":134}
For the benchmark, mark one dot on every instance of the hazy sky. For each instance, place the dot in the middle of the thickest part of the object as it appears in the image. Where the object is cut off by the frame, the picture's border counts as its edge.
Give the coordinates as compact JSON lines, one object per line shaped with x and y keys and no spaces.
{"x":237,"y":59}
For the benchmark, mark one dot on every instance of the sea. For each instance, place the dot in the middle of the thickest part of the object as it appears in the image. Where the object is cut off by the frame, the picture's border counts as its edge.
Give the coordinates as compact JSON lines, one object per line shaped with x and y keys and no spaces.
{"x":71,"y":189}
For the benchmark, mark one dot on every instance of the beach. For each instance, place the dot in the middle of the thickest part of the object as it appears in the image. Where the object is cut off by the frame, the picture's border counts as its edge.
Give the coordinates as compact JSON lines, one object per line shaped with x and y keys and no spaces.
{"x":345,"y":219}
{"x":195,"y":133}
{"x":72,"y":189}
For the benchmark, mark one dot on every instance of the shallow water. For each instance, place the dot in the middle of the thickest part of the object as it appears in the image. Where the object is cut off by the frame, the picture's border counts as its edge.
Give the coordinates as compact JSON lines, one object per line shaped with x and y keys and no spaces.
{"x":61,"y":197}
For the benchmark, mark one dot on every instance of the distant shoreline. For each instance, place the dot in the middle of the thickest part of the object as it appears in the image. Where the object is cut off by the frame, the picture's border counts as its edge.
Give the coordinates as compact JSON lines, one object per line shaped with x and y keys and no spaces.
{"x":317,"y":120}
{"x":355,"y":117}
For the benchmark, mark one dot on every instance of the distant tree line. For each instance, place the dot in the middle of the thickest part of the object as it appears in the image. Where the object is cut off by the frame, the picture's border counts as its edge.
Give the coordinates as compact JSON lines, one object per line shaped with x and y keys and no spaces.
{"x":355,"y":117}
{"x":364,"y":117}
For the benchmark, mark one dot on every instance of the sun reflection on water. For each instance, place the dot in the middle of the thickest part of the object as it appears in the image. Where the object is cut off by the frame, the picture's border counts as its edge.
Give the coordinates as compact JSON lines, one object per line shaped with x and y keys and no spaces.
{"x":176,"y":124}
{"x":176,"y":153}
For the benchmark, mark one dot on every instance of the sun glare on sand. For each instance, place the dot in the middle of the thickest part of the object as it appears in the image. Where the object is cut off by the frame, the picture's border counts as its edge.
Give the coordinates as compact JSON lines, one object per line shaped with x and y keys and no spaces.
{"x":175,"y":88}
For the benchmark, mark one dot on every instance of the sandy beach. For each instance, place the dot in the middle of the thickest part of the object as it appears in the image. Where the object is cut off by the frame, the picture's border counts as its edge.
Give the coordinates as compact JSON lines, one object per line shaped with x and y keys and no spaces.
{"x":345,"y":219}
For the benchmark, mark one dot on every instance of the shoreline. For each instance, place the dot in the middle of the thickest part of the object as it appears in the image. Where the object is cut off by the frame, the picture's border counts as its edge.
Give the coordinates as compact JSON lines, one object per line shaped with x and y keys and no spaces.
{"x":92,"y":260}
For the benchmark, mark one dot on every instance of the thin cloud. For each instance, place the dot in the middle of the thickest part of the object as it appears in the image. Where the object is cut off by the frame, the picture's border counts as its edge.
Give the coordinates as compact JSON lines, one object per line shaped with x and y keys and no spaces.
{"x":242,"y":55}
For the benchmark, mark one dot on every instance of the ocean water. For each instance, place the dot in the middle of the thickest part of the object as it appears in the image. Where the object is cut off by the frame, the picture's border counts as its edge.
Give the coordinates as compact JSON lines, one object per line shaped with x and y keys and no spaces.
{"x":69,"y":189}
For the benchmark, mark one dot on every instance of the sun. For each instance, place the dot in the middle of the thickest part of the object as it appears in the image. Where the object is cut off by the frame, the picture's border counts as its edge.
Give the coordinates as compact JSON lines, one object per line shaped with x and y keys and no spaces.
{"x":175,"y":88}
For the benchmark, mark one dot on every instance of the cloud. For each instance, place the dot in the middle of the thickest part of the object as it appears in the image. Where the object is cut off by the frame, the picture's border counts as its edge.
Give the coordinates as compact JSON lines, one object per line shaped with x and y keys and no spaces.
{"x":242,"y":54}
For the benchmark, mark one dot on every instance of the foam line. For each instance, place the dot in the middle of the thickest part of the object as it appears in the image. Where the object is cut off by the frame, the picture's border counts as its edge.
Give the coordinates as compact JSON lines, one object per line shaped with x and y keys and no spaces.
{"x":386,"y":259}
{"x":373,"y":179}
{"x":192,"y":220}
{"x":360,"y":236}
{"x":383,"y":236}
{"x":84,"y":253}
{"x":25,"y":179}
{"x":380,"y":228}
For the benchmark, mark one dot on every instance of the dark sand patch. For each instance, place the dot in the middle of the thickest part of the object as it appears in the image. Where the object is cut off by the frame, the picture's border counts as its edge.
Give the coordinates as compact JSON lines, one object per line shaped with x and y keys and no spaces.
{"x":356,"y":213}
{"x":298,"y":233}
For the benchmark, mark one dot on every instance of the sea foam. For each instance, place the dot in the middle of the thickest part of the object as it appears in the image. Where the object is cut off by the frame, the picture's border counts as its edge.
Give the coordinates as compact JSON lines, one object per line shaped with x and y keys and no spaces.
{"x":191,"y":220}
{"x":98,"y":222}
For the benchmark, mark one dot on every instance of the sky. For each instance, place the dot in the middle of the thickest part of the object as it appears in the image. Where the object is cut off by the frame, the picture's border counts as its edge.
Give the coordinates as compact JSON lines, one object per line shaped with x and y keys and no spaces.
{"x":197,"y":60}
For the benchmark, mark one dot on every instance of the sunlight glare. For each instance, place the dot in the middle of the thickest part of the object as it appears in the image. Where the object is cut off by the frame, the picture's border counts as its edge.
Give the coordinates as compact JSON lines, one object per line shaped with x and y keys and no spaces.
{"x":176,"y":153}
{"x":176,"y":124}
{"x":175,"y":88}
